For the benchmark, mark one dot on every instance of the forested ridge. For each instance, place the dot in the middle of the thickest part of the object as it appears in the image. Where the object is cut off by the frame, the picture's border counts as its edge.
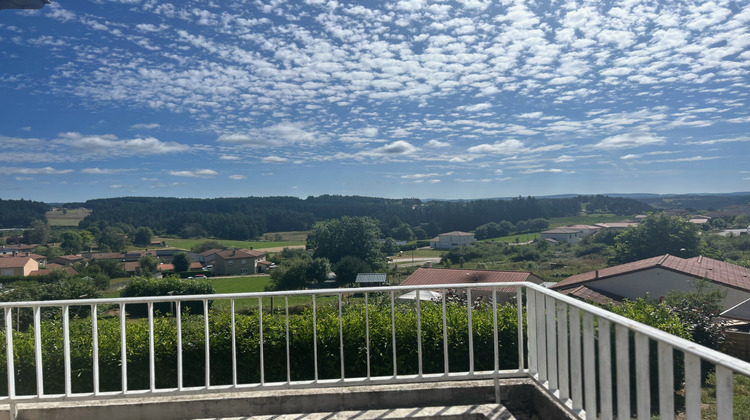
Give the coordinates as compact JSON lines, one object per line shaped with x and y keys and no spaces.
{"x":248,"y":217}
{"x":20,"y":213}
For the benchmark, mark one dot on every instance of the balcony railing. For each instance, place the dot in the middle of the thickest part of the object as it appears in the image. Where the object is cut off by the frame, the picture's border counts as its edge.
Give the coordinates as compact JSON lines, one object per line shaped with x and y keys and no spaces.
{"x":595,"y":363}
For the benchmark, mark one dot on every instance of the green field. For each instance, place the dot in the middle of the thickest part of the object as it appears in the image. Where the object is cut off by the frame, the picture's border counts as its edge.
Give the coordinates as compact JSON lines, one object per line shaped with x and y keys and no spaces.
{"x":585,"y":220}
{"x":68,"y":217}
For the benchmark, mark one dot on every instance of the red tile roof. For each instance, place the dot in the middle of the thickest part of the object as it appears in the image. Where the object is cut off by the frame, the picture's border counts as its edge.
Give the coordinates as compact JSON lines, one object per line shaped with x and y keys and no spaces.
{"x":591,"y":295}
{"x":239,"y":253}
{"x":700,"y":267}
{"x":14,"y":262}
{"x":440,"y":276}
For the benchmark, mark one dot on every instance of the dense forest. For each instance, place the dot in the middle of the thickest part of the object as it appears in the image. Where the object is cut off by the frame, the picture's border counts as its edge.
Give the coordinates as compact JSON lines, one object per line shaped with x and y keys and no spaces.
{"x":249,"y":217}
{"x":20,"y":213}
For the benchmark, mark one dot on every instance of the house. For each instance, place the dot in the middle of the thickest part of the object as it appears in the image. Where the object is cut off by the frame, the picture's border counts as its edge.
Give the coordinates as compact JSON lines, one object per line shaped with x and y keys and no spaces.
{"x":569,"y":234}
{"x":206,"y":257}
{"x":238,"y":261}
{"x":371,"y":279}
{"x":452,"y":239}
{"x":656,"y":277}
{"x":443,"y":276}
{"x":18,"y":266}
{"x":616,"y":226}
{"x":67,"y":259}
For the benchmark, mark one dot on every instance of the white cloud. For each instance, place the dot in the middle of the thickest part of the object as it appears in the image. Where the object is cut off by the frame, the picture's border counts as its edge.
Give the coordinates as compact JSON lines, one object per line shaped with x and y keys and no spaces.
{"x":151,"y":126}
{"x":47,"y":170}
{"x":196,"y":173}
{"x":97,"y":171}
{"x":237,"y":177}
{"x":281,"y":134}
{"x":543,"y":171}
{"x":507,"y":147}
{"x":396,"y":148}
{"x":436,"y":144}
{"x":275,"y":159}
{"x":629,"y":140}
{"x":420,"y":176}
{"x":110,"y":145}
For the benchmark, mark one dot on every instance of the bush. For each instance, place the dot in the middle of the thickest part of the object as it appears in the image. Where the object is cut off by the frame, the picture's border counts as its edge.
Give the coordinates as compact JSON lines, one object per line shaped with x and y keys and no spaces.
{"x":170,"y":285}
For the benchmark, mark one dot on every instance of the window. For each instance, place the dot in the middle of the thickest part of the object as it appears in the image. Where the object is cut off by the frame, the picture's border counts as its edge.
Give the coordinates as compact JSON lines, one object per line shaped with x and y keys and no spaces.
{"x":244,"y":261}
{"x":243,"y":271}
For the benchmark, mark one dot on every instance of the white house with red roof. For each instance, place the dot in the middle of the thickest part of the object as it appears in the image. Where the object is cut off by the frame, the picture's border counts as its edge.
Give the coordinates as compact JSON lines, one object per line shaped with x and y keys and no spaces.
{"x":452,"y":239}
{"x":18,"y":266}
{"x":656,"y":277}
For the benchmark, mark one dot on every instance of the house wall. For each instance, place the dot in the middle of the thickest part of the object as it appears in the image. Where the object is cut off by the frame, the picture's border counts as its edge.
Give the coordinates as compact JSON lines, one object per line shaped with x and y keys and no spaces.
{"x":450,"y":241}
{"x":658,"y":282}
{"x":236,"y":266}
{"x":572,"y":237}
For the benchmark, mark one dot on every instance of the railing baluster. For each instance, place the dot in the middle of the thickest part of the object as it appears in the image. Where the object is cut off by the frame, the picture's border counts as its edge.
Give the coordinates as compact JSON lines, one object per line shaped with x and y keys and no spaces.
{"x":393,"y":333}
{"x":471,"y":331}
{"x":367,"y":331}
{"x":234,"y":343}
{"x":178,"y":314}
{"x":605,"y":369}
{"x":66,"y":349}
{"x":531,"y":332}
{"x":123,"y":350}
{"x":692,"y":387}
{"x":622,"y":356}
{"x":288,"y":351}
{"x":9,"y":354}
{"x":541,"y":338}
{"x":576,"y":373}
{"x":38,"y":350}
{"x":562,"y":352}
{"x":445,"y":334}
{"x":315,"y":337}
{"x":519,"y":321}
{"x":260,"y":341}
{"x":666,"y":381}
{"x":589,"y":373}
{"x":207,"y":345}
{"x":495,"y":343}
{"x":551,"y":327}
{"x":724,"y":393}
{"x":95,"y":346}
{"x":341,"y":336}
{"x":419,"y":334}
{"x":151,"y":356}
{"x":642,"y":376}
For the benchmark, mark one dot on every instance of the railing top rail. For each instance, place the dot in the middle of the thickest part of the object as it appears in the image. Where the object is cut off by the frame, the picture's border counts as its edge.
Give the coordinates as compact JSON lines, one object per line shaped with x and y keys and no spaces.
{"x":248,"y":295}
{"x":713,"y":356}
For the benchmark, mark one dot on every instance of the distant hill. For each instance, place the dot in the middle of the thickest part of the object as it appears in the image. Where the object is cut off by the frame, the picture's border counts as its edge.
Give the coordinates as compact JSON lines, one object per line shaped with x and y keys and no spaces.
{"x":696,"y":202}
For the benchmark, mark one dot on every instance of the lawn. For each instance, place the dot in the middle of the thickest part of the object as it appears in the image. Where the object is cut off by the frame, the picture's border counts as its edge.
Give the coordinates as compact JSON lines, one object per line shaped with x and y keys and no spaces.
{"x":585,"y":220}
{"x":69,"y":217}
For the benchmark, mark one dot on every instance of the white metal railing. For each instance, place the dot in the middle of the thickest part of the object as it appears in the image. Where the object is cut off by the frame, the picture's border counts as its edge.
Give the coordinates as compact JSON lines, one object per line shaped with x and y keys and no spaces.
{"x":568,"y":350}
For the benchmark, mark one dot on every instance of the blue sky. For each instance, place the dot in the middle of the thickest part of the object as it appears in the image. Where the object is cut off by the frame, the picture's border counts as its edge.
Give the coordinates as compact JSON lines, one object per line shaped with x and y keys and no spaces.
{"x":443,"y":99}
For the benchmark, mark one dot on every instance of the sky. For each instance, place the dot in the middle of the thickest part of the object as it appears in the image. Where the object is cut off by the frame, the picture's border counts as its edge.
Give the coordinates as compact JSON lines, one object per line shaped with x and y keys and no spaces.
{"x":414,"y":98}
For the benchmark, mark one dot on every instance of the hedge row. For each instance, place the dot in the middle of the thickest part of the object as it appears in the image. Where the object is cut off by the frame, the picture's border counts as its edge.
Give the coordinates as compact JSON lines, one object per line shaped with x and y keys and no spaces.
{"x":274,"y":347}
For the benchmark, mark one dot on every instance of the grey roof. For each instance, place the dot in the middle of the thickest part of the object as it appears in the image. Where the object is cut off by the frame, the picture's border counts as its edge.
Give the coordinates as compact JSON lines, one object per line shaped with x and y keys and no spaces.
{"x":739,"y":311}
{"x":370,"y":278}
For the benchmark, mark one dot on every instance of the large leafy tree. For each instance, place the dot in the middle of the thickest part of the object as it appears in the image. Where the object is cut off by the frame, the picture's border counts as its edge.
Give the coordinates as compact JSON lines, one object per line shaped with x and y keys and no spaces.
{"x":357,"y":236}
{"x":299,"y":273}
{"x":347,"y":269}
{"x":72,"y":243}
{"x":143,"y":236}
{"x":659,"y":234}
{"x":181,"y":262}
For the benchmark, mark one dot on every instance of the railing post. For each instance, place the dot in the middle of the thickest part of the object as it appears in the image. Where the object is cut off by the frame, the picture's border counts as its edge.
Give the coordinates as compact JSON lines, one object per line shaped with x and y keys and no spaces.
{"x":551,"y":326}
{"x":66,"y":350}
{"x":531,"y":331}
{"x":541,"y":339}
{"x":622,"y":356}
{"x":605,"y":369}
{"x":576,"y":371}
{"x":9,"y":355}
{"x":562,"y":352}
{"x":519,"y":320}
{"x":38,"y":351}
{"x":724,"y":393}
{"x":151,"y":355}
{"x":692,"y":387}
{"x":642,"y":376}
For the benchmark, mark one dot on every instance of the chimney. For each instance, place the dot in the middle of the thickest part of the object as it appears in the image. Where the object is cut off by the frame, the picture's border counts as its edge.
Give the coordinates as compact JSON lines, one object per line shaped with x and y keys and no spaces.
{"x":596,"y":274}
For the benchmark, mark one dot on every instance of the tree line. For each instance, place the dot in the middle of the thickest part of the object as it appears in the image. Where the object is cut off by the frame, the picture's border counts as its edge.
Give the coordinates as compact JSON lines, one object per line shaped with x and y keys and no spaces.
{"x":21,"y":213}
{"x":251,"y":217}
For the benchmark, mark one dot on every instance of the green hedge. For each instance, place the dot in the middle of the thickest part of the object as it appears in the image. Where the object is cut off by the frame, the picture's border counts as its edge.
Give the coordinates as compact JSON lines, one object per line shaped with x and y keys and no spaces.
{"x":274,"y":351}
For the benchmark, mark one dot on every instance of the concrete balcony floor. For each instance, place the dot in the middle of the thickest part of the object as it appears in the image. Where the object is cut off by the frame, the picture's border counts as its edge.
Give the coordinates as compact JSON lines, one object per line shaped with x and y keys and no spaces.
{"x":520,"y":399}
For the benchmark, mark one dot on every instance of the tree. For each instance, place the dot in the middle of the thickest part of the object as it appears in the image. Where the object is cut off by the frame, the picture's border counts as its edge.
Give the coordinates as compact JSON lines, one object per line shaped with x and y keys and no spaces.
{"x":698,"y":310}
{"x":147,"y":264}
{"x":347,"y":269}
{"x":300,"y":273}
{"x":38,"y":234}
{"x":114,"y":239}
{"x":143,"y":236}
{"x":206,"y":245}
{"x":659,"y":234}
{"x":72,"y":243}
{"x":181,"y":262}
{"x":337,"y":238}
{"x":402,"y":232}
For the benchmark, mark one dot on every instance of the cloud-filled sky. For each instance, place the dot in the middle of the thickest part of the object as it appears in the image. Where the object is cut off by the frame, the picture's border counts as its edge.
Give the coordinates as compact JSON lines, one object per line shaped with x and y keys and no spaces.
{"x":411,"y":98}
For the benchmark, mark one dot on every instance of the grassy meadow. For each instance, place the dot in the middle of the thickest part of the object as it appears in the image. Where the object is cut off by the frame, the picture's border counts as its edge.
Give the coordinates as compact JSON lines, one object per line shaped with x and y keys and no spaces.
{"x":66,"y":218}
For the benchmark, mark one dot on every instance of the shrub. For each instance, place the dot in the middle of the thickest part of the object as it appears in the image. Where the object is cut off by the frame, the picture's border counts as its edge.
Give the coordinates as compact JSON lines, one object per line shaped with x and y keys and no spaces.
{"x":170,"y":285}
